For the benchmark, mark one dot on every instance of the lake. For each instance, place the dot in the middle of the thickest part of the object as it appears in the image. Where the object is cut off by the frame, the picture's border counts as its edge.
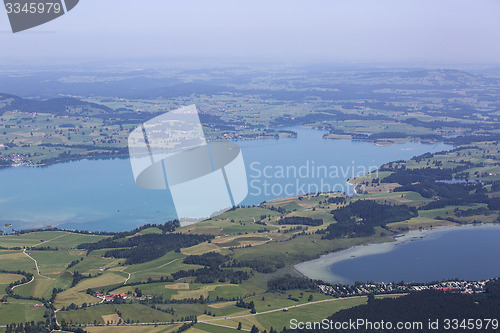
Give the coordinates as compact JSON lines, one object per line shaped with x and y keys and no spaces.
{"x":464,"y":252}
{"x":101,"y":195}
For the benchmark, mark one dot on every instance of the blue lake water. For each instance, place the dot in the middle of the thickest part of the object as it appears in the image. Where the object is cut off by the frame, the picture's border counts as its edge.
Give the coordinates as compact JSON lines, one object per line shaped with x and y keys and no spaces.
{"x":102,"y":195}
{"x":466,"y":252}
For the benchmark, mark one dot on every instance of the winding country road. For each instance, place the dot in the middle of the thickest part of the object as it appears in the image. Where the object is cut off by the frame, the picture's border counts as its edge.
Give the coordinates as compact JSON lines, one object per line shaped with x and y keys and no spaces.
{"x":23,"y":284}
{"x":36,"y":265}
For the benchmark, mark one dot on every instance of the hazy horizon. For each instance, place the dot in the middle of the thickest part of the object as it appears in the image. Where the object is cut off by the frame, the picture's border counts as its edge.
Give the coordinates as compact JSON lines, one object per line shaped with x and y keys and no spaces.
{"x":358,"y":31}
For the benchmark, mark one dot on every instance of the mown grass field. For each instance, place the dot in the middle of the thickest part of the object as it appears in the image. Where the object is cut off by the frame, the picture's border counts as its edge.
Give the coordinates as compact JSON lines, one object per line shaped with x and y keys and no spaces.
{"x":78,"y":295}
{"x":211,"y":328}
{"x":20,"y":311}
{"x":133,"y":329}
{"x":302,"y":311}
{"x":60,"y":239}
{"x":232,"y":222}
{"x":52,"y":263}
{"x":6,"y":279}
{"x":133,"y":312}
{"x":13,"y":260}
{"x":93,"y":262}
{"x":155,"y":269}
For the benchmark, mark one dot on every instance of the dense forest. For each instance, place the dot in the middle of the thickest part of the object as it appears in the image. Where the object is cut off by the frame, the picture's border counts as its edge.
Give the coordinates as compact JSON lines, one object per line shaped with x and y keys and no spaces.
{"x":267,"y":265}
{"x":359,"y":218}
{"x":143,"y":248}
{"x":405,"y":176}
{"x":289,"y":282}
{"x":300,"y":220}
{"x":210,"y":259}
{"x":447,"y":194}
{"x":213,"y":274}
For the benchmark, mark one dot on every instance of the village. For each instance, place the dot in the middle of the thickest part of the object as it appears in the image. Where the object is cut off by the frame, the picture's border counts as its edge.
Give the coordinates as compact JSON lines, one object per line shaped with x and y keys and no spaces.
{"x":465,"y":287}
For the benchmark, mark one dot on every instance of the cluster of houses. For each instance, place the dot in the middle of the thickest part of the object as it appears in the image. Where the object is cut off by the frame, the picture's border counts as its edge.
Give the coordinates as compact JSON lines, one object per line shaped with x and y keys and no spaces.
{"x":16,"y":159}
{"x":339,"y":290}
{"x":111,"y":297}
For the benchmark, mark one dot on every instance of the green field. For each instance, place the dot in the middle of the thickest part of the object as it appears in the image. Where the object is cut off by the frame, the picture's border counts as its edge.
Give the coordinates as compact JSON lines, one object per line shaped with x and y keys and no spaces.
{"x":279,"y":318}
{"x":132,"y":312}
{"x":20,"y":311}
{"x":11,"y":260}
{"x":60,"y":239}
{"x":133,"y":329}
{"x":6,"y":279}
{"x":155,"y":269}
{"x":77,"y":294}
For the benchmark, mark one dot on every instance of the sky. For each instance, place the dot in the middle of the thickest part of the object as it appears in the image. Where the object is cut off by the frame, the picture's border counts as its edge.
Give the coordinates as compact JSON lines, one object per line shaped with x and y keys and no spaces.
{"x":442,"y":31}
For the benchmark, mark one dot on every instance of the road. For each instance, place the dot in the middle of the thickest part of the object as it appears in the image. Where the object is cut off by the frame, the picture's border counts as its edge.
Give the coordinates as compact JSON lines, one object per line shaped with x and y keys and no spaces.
{"x":32,"y":279}
{"x":36,"y":265}
{"x":212,"y":320}
{"x":149,"y":269}
{"x":44,"y":242}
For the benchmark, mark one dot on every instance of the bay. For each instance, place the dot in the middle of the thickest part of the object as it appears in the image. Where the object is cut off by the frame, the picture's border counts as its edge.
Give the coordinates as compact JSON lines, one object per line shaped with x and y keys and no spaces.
{"x":465,"y":252}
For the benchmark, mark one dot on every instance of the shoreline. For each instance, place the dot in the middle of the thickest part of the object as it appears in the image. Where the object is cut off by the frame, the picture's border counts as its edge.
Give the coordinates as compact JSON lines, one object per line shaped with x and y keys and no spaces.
{"x":351,"y":191}
{"x":110,"y":155}
{"x":104,"y":155}
{"x":319,"y":269}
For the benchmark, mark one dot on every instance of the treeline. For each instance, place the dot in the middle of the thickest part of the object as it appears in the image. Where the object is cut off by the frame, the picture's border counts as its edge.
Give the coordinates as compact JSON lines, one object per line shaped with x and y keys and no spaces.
{"x":359,"y":218}
{"x":471,"y":212}
{"x":300,"y":220}
{"x":43,"y":248}
{"x":73,"y":263}
{"x":289,"y":282}
{"x":438,"y":189}
{"x":143,"y":248}
{"x":210,"y":259}
{"x":217,"y":260}
{"x":31,"y":327}
{"x":448,"y":194}
{"x":494,"y":203}
{"x":405,"y":176}
{"x":247,"y":305}
{"x":267,"y":265}
{"x":166,"y":227}
{"x":77,"y":277}
{"x":213,"y":274}
{"x":27,"y":277}
{"x":83,"y":146}
{"x":337,"y":200}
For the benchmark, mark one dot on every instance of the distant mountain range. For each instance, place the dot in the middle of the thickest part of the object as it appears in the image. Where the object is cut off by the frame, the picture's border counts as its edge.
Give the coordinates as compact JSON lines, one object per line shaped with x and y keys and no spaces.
{"x":56,"y":106}
{"x":298,"y":84}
